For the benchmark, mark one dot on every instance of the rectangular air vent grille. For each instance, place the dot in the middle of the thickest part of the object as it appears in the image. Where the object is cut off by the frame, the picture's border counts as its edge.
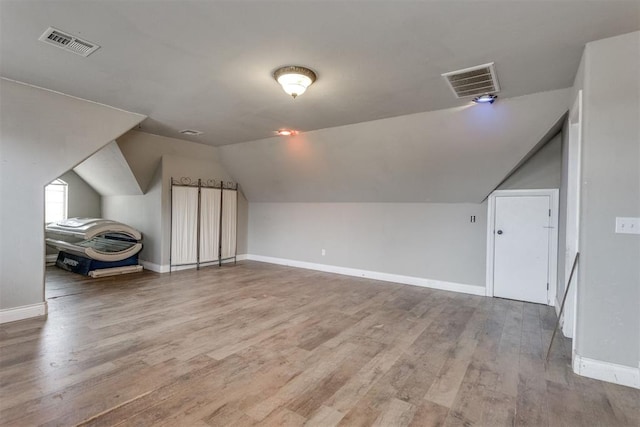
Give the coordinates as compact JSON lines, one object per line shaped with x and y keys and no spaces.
{"x":57,"y":37}
{"x":473,"y":81}
{"x":68,"y":42}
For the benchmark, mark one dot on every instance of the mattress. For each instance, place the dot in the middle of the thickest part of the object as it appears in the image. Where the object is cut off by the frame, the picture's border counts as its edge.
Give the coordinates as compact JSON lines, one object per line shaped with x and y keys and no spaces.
{"x":94,"y":238}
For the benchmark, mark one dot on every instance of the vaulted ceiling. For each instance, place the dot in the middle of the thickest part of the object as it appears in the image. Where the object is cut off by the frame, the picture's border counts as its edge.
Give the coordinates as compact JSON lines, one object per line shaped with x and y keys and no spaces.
{"x":453,"y":155}
{"x":207,"y":65}
{"x":109,"y":173}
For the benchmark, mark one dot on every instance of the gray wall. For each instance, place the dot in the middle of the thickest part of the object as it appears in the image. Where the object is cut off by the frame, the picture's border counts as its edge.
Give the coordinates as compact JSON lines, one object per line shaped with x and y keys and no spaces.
{"x":42,"y":135}
{"x":108,"y":172}
{"x":457,"y":155}
{"x":144,"y":151}
{"x":154,"y":160}
{"x":542,"y":170}
{"x":242,"y":236}
{"x":83,"y":200}
{"x":142,"y":213}
{"x":427,"y":240}
{"x":609,"y":274}
{"x":395,"y":160}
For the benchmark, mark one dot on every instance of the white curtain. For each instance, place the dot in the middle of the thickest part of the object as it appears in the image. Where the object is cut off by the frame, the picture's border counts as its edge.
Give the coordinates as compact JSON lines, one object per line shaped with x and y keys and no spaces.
{"x":229,"y":208}
{"x":184,"y":223}
{"x":209,"y":224}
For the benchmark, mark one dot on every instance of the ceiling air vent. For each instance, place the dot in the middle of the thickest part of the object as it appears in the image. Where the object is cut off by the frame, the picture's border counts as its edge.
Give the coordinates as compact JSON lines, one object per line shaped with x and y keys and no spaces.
{"x":191,"y":132}
{"x":473,"y":81}
{"x":68,"y":42}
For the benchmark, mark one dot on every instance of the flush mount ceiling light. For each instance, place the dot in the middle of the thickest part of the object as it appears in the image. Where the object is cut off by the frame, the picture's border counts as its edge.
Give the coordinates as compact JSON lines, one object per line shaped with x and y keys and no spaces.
{"x":191,"y":132}
{"x":294,"y":79}
{"x":286,"y":132}
{"x":485,"y":99}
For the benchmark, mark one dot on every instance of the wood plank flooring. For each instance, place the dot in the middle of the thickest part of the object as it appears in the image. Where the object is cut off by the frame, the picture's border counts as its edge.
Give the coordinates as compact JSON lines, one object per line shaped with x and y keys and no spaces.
{"x":258,"y":344}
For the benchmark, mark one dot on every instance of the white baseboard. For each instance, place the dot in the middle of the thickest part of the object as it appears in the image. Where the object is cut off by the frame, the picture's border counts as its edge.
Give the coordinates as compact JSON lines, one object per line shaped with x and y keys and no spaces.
{"x":165,"y":268}
{"x":193,"y":266}
{"x":23,"y":312}
{"x":51,"y":258}
{"x":147,"y":265}
{"x":605,"y":371}
{"x":386,"y":277}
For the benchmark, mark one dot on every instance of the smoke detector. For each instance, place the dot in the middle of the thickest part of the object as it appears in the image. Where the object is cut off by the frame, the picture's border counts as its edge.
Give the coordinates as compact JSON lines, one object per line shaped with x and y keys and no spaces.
{"x":473,"y":81}
{"x":68,"y":42}
{"x":191,"y":132}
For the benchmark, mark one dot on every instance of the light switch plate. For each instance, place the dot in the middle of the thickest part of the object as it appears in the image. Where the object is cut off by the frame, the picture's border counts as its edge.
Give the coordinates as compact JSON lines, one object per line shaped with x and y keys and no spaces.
{"x":627,"y":225}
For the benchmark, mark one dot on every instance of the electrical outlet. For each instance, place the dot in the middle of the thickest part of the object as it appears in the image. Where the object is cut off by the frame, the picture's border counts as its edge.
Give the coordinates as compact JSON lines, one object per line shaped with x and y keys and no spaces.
{"x":324,"y":252}
{"x":627,"y":225}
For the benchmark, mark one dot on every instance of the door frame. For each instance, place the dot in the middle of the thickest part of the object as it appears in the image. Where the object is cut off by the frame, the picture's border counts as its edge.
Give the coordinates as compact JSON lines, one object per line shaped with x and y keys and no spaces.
{"x":575,"y":123}
{"x":553,"y":194}
{"x":574,"y":154}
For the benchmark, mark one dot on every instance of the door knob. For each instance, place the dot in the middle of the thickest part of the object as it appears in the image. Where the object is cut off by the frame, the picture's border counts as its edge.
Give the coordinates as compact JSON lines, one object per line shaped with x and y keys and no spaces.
{"x":499,"y":231}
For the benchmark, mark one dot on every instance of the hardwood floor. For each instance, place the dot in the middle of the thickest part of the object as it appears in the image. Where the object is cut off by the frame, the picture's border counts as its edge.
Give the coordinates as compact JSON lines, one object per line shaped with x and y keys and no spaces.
{"x":259,"y":344}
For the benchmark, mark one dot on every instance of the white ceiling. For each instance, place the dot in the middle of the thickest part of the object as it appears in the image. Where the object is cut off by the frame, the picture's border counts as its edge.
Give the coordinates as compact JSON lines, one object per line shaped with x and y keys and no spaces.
{"x":454,"y":155}
{"x":207,"y":65}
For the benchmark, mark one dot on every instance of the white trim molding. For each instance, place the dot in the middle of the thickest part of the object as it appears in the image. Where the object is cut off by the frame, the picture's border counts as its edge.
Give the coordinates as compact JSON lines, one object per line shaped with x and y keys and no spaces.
{"x":23,"y":312}
{"x":552,"y":277}
{"x":385,"y":277}
{"x":165,"y":267}
{"x":572,"y":223}
{"x":606,"y":371}
{"x":147,"y":265}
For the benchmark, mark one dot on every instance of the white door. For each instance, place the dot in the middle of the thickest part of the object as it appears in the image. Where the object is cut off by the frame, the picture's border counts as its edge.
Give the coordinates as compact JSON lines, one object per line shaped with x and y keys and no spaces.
{"x":521,"y":248}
